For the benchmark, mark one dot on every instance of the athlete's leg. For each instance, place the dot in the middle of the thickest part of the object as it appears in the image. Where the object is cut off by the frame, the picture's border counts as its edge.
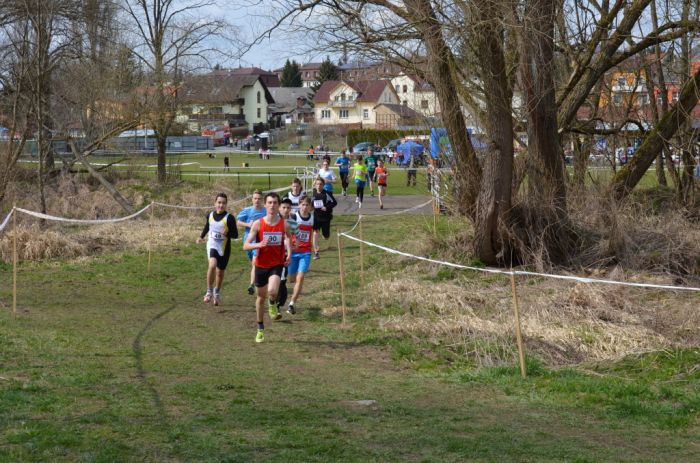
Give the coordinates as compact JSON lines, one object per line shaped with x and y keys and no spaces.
{"x":219,"y":277}
{"x":273,"y":286}
{"x":260,"y":302}
{"x":211,"y":272}
{"x":298,"y":285}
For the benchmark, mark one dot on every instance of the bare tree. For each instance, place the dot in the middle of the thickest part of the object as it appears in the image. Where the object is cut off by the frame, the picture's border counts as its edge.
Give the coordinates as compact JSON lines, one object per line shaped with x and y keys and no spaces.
{"x":171,"y":38}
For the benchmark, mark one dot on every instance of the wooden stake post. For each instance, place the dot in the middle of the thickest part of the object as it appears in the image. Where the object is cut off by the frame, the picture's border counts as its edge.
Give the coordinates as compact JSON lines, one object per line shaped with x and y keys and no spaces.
{"x":150,"y":239}
{"x":362,"y":255}
{"x":518,"y":333}
{"x":14,"y":260}
{"x":435,"y":214}
{"x":341,"y":269}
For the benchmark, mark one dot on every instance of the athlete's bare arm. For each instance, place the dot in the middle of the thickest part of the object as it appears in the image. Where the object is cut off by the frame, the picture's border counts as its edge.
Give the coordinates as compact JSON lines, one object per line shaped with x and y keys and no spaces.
{"x":249,"y":245}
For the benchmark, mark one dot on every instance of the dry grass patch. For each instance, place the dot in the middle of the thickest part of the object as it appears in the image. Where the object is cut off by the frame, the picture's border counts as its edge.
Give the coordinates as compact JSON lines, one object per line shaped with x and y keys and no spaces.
{"x":563,"y":323}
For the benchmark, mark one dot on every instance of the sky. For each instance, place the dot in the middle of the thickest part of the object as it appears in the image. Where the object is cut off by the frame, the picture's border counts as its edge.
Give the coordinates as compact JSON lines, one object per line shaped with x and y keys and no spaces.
{"x":252,"y":17}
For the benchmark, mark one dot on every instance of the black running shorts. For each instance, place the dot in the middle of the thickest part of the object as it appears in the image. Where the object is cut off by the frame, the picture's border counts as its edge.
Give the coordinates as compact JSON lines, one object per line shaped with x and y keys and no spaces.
{"x":221,"y":261}
{"x":325,"y":228}
{"x":262,"y":275}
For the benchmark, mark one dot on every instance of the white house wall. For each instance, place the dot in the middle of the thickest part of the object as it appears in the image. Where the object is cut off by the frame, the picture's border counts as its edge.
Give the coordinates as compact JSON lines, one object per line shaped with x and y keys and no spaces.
{"x":415,"y":98}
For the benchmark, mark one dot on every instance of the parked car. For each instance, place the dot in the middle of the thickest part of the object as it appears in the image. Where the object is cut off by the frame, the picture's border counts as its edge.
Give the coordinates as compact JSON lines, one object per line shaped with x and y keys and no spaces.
{"x":393,"y":144}
{"x":365,"y":146}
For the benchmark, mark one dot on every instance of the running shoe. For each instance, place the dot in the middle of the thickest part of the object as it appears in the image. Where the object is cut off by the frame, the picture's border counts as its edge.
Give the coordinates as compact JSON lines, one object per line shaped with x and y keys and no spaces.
{"x":251,"y":290}
{"x":274,"y":313}
{"x":371,"y":193}
{"x":260,"y":337}
{"x":290,"y":309}
{"x":357,"y":199}
{"x":359,"y":205}
{"x":217,"y":299}
{"x":345,"y":192}
{"x":207,"y":298}
{"x":381,"y":206}
{"x":317,"y":256}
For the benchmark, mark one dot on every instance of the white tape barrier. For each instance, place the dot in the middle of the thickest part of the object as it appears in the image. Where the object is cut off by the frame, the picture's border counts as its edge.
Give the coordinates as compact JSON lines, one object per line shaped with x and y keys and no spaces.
{"x":7,"y":220}
{"x":175,"y":206}
{"x":81,"y":221}
{"x":520,"y":272}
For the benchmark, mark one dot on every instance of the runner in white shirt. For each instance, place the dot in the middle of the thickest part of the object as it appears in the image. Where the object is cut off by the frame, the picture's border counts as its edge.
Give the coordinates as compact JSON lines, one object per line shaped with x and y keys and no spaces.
{"x":327,"y":175}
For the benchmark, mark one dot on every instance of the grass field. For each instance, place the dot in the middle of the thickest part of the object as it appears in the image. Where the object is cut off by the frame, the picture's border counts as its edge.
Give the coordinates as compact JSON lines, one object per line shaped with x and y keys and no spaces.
{"x":276,"y":172}
{"x":107,"y":362}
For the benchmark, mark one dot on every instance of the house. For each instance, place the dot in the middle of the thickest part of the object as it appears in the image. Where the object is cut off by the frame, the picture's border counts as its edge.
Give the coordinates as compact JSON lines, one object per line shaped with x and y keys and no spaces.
{"x":354,"y":103}
{"x":309,"y":74}
{"x":224,"y":99}
{"x":417,"y":94}
{"x":292,"y":104}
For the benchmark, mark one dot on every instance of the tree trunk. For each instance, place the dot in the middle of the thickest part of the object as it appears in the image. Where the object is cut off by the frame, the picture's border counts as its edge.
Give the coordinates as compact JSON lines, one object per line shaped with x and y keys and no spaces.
{"x":110,"y":188}
{"x":495,"y":200}
{"x":629,"y":176}
{"x":440,"y":63}
{"x":548,"y":215}
{"x":162,"y":172}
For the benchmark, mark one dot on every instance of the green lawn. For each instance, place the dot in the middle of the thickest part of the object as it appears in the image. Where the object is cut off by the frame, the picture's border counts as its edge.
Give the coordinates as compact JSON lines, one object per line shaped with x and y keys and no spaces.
{"x":107,"y":362}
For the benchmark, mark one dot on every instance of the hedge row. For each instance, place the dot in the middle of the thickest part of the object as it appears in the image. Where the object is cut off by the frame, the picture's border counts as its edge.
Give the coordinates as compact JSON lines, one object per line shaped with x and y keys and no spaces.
{"x":380,"y":137}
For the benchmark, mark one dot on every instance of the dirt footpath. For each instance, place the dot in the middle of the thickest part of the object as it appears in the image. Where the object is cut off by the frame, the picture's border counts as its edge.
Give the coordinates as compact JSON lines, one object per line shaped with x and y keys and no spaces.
{"x":370,"y":206}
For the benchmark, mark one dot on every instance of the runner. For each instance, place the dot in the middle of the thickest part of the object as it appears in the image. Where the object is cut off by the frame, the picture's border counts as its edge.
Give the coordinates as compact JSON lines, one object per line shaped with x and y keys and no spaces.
{"x":371,"y":162}
{"x":382,"y":173}
{"x":245,"y":219}
{"x":301,"y":251}
{"x":221,"y":227}
{"x":272,"y":242}
{"x":360,"y":176}
{"x":326,"y":174}
{"x":285,"y":210}
{"x":342,"y":162}
{"x":296,"y":194}
{"x":323,"y":202}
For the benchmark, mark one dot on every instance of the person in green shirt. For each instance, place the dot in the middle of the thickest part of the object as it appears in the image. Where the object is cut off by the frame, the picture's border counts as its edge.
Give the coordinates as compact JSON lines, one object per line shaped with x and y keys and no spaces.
{"x":360,"y":176}
{"x":371,"y":163}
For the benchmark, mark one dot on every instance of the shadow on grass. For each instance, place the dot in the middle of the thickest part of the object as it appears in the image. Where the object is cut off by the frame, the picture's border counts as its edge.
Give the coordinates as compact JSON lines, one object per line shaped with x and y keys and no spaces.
{"x":141,"y":372}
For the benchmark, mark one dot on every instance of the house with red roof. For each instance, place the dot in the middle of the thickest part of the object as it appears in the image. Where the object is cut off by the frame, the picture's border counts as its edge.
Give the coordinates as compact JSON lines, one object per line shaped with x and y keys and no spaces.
{"x":365,"y":103}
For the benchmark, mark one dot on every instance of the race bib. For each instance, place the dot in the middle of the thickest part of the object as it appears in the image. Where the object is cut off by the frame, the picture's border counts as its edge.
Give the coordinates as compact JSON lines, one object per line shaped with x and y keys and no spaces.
{"x":303,"y":236}
{"x":218,"y":236}
{"x":318,"y":203}
{"x":273,"y":238}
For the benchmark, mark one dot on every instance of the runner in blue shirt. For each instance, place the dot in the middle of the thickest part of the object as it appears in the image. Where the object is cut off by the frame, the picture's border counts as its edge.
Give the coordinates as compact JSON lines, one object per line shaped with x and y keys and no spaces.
{"x":245,"y":218}
{"x":342,"y":162}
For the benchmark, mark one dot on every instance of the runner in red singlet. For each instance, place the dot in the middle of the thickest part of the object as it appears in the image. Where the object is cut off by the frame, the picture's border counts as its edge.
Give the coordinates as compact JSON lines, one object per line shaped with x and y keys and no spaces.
{"x":273,"y":253}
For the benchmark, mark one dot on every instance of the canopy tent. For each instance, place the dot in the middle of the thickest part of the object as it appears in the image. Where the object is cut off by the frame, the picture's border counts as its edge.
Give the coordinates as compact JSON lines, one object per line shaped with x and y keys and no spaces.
{"x":407,"y":149}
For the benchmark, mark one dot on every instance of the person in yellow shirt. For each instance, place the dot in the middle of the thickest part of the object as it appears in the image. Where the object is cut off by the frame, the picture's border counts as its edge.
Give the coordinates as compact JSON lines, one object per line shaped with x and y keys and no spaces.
{"x":360,"y":177}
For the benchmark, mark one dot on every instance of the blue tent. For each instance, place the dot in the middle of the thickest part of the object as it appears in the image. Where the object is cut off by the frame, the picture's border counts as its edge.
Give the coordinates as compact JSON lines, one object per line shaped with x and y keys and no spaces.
{"x":406,"y":150}
{"x":440,"y":143}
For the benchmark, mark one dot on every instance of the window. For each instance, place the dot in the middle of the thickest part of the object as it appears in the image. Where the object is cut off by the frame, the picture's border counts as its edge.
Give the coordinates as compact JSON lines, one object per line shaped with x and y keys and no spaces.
{"x":405,"y":102}
{"x":325,"y":114}
{"x":258,"y":113}
{"x":617,"y":100}
{"x":621,"y":81}
{"x":424,"y":104}
{"x":405,"y":88}
{"x":216,"y":110}
{"x":258,"y":97}
{"x":344,"y":113}
{"x":640,"y":81}
{"x":674,"y":97}
{"x":365,"y":114}
{"x":342,"y":97}
{"x":643,"y":100}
